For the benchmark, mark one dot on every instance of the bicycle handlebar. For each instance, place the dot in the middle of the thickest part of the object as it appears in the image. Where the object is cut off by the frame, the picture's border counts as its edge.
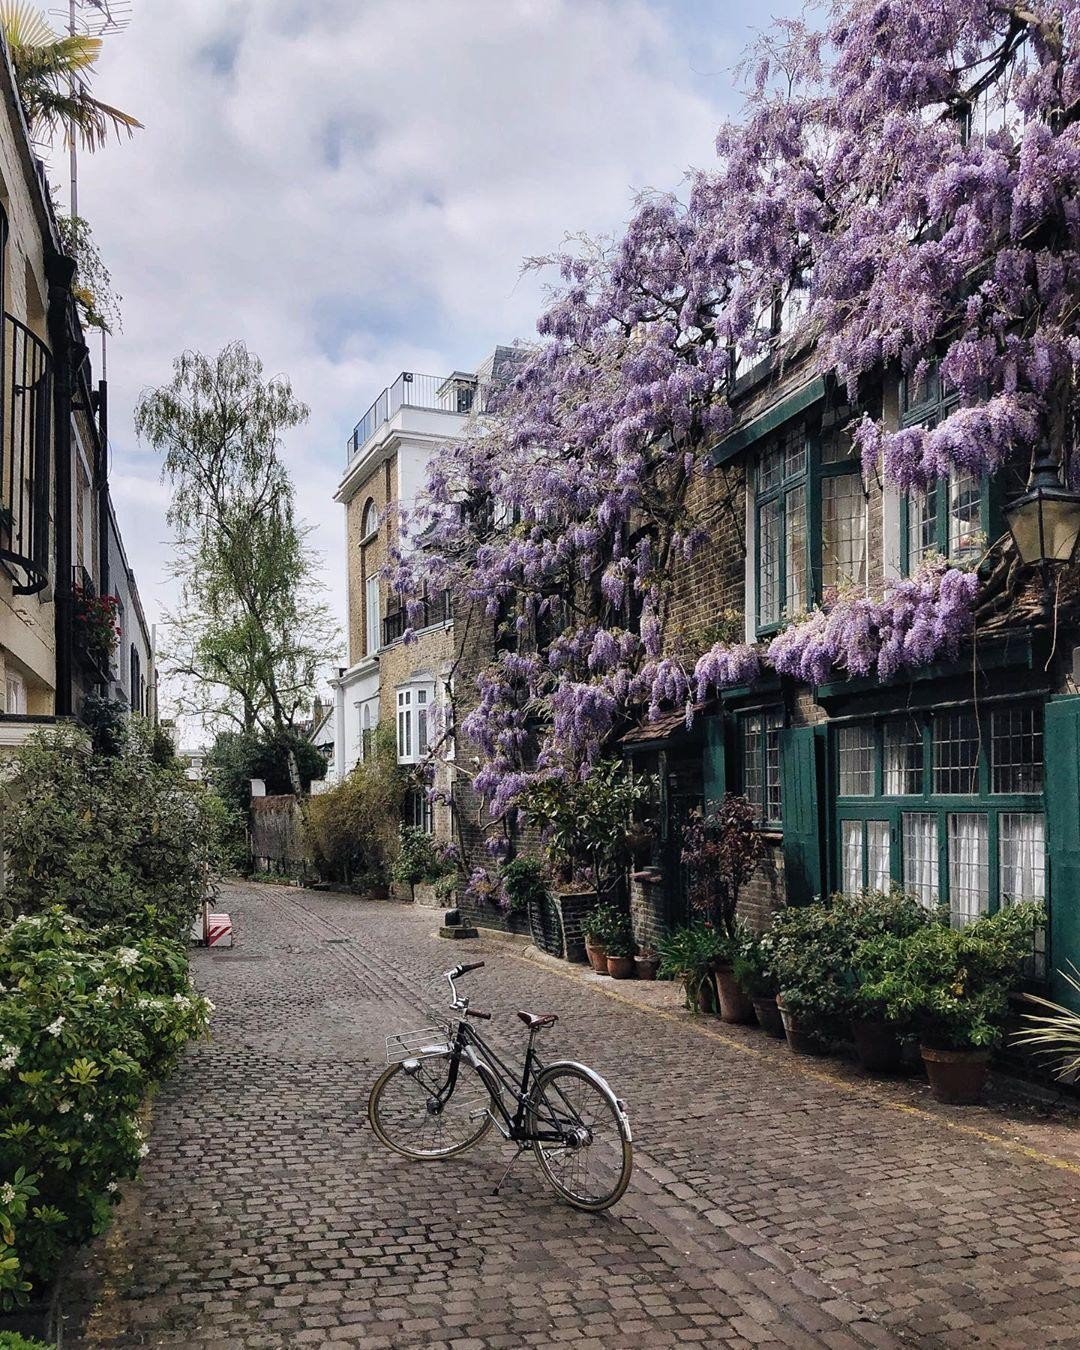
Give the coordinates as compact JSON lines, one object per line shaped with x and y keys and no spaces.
{"x":475,"y":1012}
{"x":464,"y":970}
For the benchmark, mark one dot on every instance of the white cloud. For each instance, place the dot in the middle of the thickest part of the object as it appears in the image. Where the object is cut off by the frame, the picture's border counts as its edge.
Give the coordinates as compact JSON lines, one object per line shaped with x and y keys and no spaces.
{"x":350,"y":187}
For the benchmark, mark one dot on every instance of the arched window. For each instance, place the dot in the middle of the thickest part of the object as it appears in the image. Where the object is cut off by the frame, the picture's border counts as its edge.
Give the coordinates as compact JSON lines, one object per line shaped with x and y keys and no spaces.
{"x":371,"y":520}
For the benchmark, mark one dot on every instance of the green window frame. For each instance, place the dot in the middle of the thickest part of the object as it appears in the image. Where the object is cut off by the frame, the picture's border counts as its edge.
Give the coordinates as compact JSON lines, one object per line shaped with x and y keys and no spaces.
{"x":758,"y":747}
{"x":961,"y":795}
{"x":811,"y":520}
{"x":951,"y":516}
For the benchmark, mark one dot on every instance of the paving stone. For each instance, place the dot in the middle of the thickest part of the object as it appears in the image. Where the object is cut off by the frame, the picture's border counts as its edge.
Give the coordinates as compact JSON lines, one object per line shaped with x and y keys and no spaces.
{"x":774,"y":1203}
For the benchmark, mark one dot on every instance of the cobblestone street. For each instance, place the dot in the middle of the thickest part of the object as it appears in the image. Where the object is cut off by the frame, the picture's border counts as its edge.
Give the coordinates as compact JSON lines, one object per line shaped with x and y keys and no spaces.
{"x":774,"y":1201}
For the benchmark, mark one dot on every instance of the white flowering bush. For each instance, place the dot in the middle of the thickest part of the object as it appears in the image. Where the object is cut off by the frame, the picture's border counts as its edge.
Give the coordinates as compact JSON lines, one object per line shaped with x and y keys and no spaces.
{"x":86,"y":1029}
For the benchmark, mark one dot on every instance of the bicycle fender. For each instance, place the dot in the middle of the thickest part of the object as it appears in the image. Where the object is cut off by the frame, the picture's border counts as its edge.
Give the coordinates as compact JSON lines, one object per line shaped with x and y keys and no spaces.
{"x":600,"y":1082}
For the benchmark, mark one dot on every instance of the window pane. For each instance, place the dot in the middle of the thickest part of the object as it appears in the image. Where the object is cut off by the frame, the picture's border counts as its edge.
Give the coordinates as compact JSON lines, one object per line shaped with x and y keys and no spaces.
{"x":964,"y":524}
{"x":920,"y":844}
{"x":1016,"y":750}
{"x":769,"y":563}
{"x":922,"y":526}
{"x":751,"y":764}
{"x":421,"y":731}
{"x":843,"y":530}
{"x":773,"y":805}
{"x":851,"y":848}
{"x":1022,"y":856}
{"x":969,"y":867}
{"x":795,"y":552}
{"x":903,"y":758}
{"x":878,"y":866}
{"x":856,"y":755}
{"x":771,"y":467}
{"x":956,"y":753}
{"x":794,"y":450}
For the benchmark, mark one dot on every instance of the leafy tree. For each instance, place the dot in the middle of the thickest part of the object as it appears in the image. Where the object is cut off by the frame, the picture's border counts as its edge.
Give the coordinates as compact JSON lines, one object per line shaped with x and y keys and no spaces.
{"x":251,"y":632}
{"x":236,"y":757}
{"x":722,"y":849}
{"x":52,"y":73}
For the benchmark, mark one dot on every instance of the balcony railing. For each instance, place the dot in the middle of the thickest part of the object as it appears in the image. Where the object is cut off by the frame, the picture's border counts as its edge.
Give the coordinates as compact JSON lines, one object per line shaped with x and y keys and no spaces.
{"x":25,"y":437}
{"x":436,"y":393}
{"x":440,"y":610}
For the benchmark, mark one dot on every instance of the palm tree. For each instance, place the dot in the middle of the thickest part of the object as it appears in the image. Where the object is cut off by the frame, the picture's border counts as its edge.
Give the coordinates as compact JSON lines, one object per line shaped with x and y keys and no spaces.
{"x":52,"y":74}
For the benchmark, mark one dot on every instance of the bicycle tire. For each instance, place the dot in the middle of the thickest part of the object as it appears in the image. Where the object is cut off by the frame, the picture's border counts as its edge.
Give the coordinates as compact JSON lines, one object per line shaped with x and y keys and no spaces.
{"x":405,"y":1141}
{"x":616,"y":1156}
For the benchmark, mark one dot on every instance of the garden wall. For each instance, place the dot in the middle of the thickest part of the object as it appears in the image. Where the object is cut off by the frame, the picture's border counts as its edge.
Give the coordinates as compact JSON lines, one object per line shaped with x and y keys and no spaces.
{"x":276,"y":833}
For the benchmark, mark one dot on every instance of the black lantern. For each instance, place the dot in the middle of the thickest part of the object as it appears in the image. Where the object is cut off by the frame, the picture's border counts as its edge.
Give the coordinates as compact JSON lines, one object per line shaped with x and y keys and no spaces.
{"x":1045,"y":520}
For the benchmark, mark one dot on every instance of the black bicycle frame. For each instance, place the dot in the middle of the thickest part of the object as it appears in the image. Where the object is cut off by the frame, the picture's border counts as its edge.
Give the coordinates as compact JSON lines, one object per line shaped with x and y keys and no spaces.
{"x":497,"y":1077}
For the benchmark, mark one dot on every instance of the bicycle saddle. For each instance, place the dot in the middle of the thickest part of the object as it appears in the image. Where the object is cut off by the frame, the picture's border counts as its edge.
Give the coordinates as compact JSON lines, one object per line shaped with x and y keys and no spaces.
{"x":535,"y":1020}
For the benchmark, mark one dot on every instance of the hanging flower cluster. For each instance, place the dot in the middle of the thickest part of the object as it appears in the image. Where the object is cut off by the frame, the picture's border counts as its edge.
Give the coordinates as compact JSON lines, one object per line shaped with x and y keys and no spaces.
{"x":902,"y":188}
{"x":915,"y":621}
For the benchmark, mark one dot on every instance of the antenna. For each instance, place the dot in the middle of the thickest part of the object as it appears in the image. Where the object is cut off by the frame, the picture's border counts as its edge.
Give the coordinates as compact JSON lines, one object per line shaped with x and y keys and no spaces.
{"x":94,"y":18}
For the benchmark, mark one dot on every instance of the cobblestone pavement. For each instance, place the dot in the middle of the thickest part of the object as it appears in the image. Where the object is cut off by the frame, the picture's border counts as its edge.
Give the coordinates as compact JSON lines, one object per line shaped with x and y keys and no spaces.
{"x":775,"y":1202}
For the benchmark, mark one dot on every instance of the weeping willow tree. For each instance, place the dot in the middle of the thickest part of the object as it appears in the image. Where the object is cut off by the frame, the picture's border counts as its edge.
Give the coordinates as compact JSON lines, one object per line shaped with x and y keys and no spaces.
{"x":53,"y":74}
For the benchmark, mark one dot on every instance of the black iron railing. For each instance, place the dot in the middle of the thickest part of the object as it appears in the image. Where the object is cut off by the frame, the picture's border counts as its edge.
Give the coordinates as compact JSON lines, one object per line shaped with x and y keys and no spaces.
{"x":26,"y":402}
{"x":439,"y":610}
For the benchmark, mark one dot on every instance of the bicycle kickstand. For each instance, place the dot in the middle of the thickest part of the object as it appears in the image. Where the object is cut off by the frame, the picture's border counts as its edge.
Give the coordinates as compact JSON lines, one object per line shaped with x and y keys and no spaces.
{"x":521,"y":1148}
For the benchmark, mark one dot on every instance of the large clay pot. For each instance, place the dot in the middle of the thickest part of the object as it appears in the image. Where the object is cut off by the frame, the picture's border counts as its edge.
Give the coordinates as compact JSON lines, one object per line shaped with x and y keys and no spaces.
{"x":735,"y":1006}
{"x":803,"y":1038}
{"x":597,"y":954}
{"x":956,"y":1076}
{"x":620,"y":967}
{"x":647,"y":967}
{"x":877,"y":1045}
{"x":768,"y":1016}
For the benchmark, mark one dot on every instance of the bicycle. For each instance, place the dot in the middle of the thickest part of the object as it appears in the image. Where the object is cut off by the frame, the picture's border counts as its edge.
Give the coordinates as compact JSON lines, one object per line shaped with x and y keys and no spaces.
{"x":444,"y":1087}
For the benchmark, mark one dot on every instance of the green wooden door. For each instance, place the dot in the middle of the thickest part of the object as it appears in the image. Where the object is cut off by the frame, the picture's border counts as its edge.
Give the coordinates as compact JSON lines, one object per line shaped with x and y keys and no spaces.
{"x":1062,"y":750}
{"x":802,"y":760}
{"x":714,"y":760}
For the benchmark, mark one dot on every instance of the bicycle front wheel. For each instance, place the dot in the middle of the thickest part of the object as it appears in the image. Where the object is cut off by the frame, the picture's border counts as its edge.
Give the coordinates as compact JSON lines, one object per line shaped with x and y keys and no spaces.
{"x":590,"y":1165}
{"x":412,"y":1113}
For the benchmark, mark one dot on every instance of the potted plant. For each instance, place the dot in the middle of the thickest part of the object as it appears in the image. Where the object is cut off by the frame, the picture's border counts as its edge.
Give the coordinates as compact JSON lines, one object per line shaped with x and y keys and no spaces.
{"x":953,"y":986}
{"x":876,"y":915}
{"x":620,"y":953}
{"x":647,"y":963}
{"x":598,"y":926}
{"x":1055,"y":1033}
{"x":809,"y":962}
{"x":689,"y":954}
{"x":721,"y":851}
{"x":753,"y":969}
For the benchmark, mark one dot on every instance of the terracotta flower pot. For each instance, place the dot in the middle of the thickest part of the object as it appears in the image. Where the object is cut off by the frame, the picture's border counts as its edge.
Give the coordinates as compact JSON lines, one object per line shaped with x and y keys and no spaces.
{"x":735,"y":1005}
{"x":768,"y":1016}
{"x":876,"y":1044}
{"x":620,"y":967}
{"x":597,"y":954}
{"x":803,"y":1037}
{"x":956,"y":1076}
{"x":647,"y":967}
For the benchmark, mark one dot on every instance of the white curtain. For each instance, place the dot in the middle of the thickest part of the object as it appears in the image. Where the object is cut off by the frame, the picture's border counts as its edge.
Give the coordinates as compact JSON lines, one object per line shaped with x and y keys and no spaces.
{"x":877,"y":854}
{"x":851,"y":832}
{"x":969,"y":866}
{"x":921,"y":855}
{"x":1022,"y":856}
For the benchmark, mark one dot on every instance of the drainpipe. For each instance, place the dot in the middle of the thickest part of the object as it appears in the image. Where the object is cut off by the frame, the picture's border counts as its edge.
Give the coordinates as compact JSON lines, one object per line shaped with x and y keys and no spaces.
{"x":102,"y":405}
{"x":59,"y":270}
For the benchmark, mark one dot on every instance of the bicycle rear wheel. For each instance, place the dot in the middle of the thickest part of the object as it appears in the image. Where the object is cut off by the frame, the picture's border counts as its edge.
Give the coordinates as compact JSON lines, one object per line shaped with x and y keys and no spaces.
{"x":590,"y":1168}
{"x":410,"y":1113}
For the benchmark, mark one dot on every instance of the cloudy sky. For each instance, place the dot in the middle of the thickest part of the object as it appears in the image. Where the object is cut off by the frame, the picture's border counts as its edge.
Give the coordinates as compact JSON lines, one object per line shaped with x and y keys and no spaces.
{"x":350,"y":186}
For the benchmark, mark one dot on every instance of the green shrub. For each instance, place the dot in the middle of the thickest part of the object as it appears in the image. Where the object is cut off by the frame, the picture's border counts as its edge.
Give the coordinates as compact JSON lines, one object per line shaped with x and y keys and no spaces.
{"x":814,"y":956}
{"x":523,"y":882}
{"x":351,"y":831}
{"x":11,"y":1340}
{"x":951,"y":985}
{"x":601,"y":923}
{"x":691,"y":954}
{"x":86,"y":1028}
{"x":621,"y":942}
{"x":114,"y":839}
{"x":754,"y":959}
{"x":421,"y":858}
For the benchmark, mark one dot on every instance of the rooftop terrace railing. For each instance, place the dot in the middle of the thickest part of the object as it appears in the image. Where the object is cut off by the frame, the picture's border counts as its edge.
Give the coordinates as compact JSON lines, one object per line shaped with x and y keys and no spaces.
{"x":436,"y":393}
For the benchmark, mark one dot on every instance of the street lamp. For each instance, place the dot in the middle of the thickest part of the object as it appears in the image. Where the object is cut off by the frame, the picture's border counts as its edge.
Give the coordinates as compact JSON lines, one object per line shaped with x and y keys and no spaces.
{"x":1045,"y":520}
